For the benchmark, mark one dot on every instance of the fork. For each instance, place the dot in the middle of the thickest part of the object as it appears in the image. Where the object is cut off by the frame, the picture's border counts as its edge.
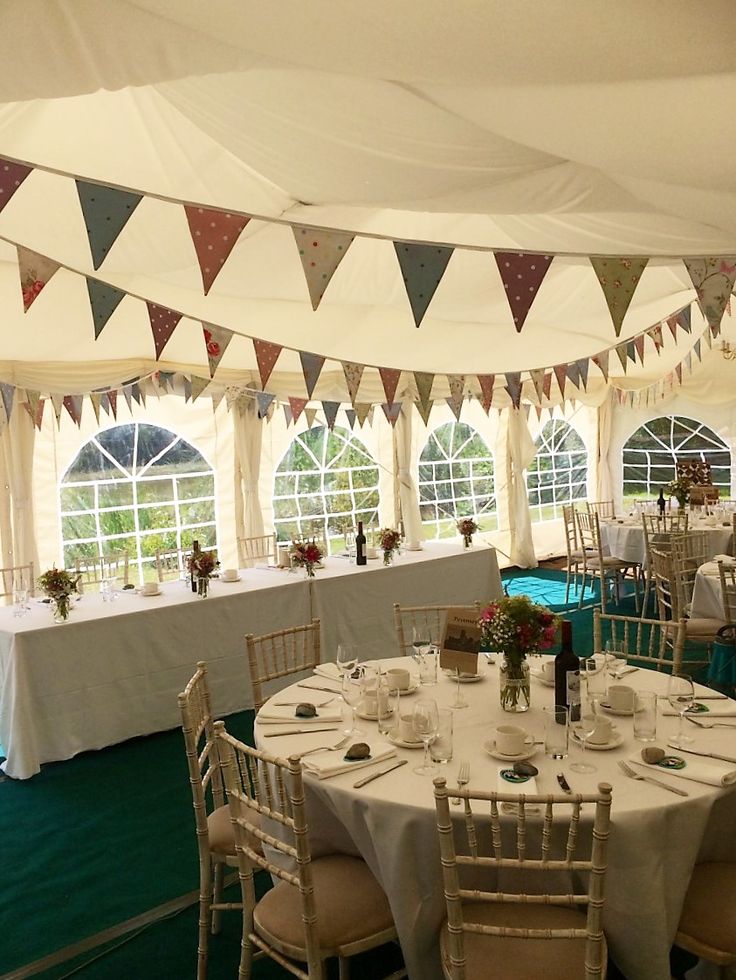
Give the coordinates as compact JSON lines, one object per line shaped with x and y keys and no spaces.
{"x":463,"y":778}
{"x":625,"y":767}
{"x":327,"y":748}
{"x":712,"y":724}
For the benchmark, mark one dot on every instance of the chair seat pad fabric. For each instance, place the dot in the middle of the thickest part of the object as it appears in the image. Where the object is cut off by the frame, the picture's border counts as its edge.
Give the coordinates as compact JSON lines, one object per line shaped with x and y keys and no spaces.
{"x":610,"y":563}
{"x":506,"y":958}
{"x":220,"y":831}
{"x":709,"y":914}
{"x":703,"y":627}
{"x":350,"y":904}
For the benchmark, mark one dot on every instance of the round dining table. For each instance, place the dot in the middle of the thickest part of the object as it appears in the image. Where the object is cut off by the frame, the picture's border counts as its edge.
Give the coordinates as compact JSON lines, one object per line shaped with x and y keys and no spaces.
{"x":623,"y":538}
{"x":656,"y":836}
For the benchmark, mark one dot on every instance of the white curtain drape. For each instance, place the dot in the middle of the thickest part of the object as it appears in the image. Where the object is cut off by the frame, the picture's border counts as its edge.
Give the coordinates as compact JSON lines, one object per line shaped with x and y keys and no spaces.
{"x":520,"y":451}
{"x":248,"y":437}
{"x":408,"y":495}
{"x":604,"y":481}
{"x":17,"y":526}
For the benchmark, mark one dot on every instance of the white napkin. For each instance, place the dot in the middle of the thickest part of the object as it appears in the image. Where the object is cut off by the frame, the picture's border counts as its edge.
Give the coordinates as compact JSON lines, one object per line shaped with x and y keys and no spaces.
{"x":726,"y":559}
{"x":329,"y":671}
{"x":714,"y":773}
{"x":270,"y":714}
{"x":529,"y":788}
{"x":326,"y":764}
{"x":728,"y":711}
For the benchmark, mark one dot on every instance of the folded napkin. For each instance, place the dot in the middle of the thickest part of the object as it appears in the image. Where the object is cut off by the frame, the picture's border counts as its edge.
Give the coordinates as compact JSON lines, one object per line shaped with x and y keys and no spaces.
{"x":726,"y":559}
{"x":326,"y":764}
{"x":271,"y":714}
{"x":727,"y":711}
{"x":714,"y":773}
{"x":329,"y":671}
{"x":529,"y":788}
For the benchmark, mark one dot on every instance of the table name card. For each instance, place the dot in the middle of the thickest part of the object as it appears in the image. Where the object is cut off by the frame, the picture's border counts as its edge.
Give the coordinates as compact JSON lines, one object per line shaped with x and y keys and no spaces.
{"x":461,"y":642}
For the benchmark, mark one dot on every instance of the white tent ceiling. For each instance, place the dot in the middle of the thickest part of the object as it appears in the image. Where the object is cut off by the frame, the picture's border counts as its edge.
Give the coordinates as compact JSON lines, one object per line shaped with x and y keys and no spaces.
{"x":567,"y":127}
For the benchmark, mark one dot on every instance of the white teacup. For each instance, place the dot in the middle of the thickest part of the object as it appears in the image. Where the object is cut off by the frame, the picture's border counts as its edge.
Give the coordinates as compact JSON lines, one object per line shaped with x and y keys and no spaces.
{"x":373,"y":700}
{"x":621,"y":697}
{"x":548,"y":669}
{"x":406,"y":729}
{"x":230,"y":575}
{"x":602,"y":728}
{"x":511,"y":739}
{"x":398,"y":679}
{"x":150,"y":588}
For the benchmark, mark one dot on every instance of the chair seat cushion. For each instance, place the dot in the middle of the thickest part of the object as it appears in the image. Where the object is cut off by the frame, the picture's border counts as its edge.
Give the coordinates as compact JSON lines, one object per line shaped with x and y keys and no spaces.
{"x":703,"y":627}
{"x":708,"y":921}
{"x":220,"y":831}
{"x":506,"y":958}
{"x":609,"y":562}
{"x":350,"y":903}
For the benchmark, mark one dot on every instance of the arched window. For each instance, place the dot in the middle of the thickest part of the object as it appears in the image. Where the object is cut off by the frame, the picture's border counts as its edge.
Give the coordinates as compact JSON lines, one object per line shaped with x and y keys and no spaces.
{"x":456,"y":480}
{"x":649,"y":454}
{"x":557,"y":474}
{"x":136,"y":488}
{"x":326,"y":482}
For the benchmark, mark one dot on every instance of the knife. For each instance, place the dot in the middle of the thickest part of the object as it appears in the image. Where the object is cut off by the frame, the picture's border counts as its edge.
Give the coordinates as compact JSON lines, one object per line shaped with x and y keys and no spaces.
{"x":707,"y":755}
{"x":380,"y":772}
{"x":299,"y":731}
{"x":563,"y":783}
{"x":311,"y":687}
{"x":700,"y":697}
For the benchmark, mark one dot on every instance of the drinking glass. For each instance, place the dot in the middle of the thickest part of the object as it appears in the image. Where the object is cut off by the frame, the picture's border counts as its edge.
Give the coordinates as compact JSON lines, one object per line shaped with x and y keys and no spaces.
{"x":347,"y":657}
{"x":388,"y":720}
{"x":680,"y":694}
{"x":420,"y":640}
{"x":426,"y":723}
{"x":556,"y":731}
{"x":585,"y":728}
{"x":645,"y":716}
{"x":105,"y":589}
{"x":351,"y":688}
{"x":20,"y":602}
{"x":441,"y":746}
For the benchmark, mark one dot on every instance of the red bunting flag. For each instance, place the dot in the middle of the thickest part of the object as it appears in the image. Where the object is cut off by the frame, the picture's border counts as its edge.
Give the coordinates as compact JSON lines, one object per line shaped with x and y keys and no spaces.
{"x":390,"y":378}
{"x":214,"y":234}
{"x":163,"y":323}
{"x":12,"y":176}
{"x":522,"y":275}
{"x":266,"y":354}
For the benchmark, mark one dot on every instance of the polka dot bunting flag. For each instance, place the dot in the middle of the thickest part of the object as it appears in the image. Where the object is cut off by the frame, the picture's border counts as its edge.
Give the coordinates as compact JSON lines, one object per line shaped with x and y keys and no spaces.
{"x":320,"y":252}
{"x":163,"y":323}
{"x":12,"y":176}
{"x":266,"y":354}
{"x":422,"y":267}
{"x":214,"y":234}
{"x":521,"y":275}
{"x":106,"y":211}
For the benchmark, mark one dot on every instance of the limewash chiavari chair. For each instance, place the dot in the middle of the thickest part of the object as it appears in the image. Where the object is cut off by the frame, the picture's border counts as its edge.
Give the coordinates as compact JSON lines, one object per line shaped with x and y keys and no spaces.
{"x":727,"y":575}
{"x":598,"y":565}
{"x":572,"y":547}
{"x":429,"y":619}
{"x":171,"y":563}
{"x":281,"y":654}
{"x":92,"y":571}
{"x":17,"y":577}
{"x":215,"y":836}
{"x":658,"y":531}
{"x":257,"y":548}
{"x":555,"y":935}
{"x":320,"y":907}
{"x":603,"y":508}
{"x":652,"y":643}
{"x":707,"y":925}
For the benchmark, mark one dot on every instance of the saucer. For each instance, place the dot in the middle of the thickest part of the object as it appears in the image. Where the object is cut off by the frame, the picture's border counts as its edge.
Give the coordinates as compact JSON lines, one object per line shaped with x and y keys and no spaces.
{"x":147,"y":594}
{"x":229,"y":581}
{"x":490,"y":746}
{"x":464,"y":678}
{"x":539,"y":676}
{"x":370,"y":716}
{"x":616,"y":740}
{"x":395,"y":740}
{"x":414,"y":686}
{"x":622,"y":712}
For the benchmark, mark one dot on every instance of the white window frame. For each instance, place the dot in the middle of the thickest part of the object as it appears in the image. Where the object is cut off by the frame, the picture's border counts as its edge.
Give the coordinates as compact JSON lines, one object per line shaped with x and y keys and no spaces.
{"x":569,"y":481}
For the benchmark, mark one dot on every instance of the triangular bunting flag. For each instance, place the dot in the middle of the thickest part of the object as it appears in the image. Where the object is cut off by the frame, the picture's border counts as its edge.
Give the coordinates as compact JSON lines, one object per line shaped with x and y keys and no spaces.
{"x":198,"y":386}
{"x":547,"y":385}
{"x":583,"y":365}
{"x":330,"y":409}
{"x":36,"y":413}
{"x":353,"y":375}
{"x":58,"y":402}
{"x":689,"y":360}
{"x":390,"y":378}
{"x":456,"y":384}
{"x":672,"y":324}
{"x":351,"y":416}
{"x":561,"y":374}
{"x":73,"y":405}
{"x":371,"y":411}
{"x":391,"y":410}
{"x":619,"y":278}
{"x":537,"y":376}
{"x":538,"y":409}
{"x":684,"y":319}
{"x":266,"y":355}
{"x":320,"y":252}
{"x":216,"y":398}
{"x":310,"y":414}
{"x":7,"y":392}
{"x":422,"y":267}
{"x":112,"y":397}
{"x":708,"y":338}
{"x":631,"y":351}
{"x":621,"y":352}
{"x":573,"y":374}
{"x":713,"y":279}
{"x":362,"y":410}
{"x":263,"y":399}
{"x":163,"y":323}
{"x":513,"y":387}
{"x":297,"y":407}
{"x":696,"y":349}
{"x":216,"y":340}
{"x":656,"y":336}
{"x":103,"y":301}
{"x":602,"y":361}
{"x":311,"y":367}
{"x":455,"y":406}
{"x":33,"y":398}
{"x":106,"y":211}
{"x":522,"y":275}
{"x":424,"y":381}
{"x":96,"y":398}
{"x":639,"y":347}
{"x":424,"y":409}
{"x":35,"y":271}
{"x":288,"y":414}
{"x":12,"y":176}
{"x":127,"y":391}
{"x":486,"y":382}
{"x":214,"y":234}
{"x":678,"y":372}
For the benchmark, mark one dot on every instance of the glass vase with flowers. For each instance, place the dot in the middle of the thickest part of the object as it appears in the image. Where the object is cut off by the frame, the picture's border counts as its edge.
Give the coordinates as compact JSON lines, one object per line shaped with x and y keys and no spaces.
{"x":59,"y":585}
{"x":389,"y":542}
{"x":306,"y":555}
{"x":202,"y":565}
{"x":467,"y":528}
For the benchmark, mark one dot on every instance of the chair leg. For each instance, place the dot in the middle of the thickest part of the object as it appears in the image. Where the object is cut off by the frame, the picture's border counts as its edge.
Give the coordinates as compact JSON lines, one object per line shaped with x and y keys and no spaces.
{"x":582,"y":588}
{"x":344,"y":968}
{"x":205,"y":921}
{"x":219,"y":877}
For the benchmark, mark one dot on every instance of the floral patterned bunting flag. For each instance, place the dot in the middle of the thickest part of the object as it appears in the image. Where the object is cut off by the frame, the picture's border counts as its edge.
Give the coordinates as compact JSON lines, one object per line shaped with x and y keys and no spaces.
{"x":422,"y":267}
{"x":297,"y":406}
{"x":602,"y":361}
{"x":390,"y":378}
{"x":673,"y":325}
{"x":639,"y":346}
{"x":216,"y":340}
{"x":311,"y":367}
{"x":561,"y":374}
{"x":537,"y":376}
{"x":12,"y":176}
{"x":35,"y":272}
{"x":455,"y":407}
{"x":456,"y":383}
{"x":655,"y":333}
{"x":713,"y":278}
{"x":103,"y":301}
{"x":330,"y":410}
{"x":320,"y":252}
{"x":521,"y":275}
{"x":7,"y":392}
{"x":513,"y":387}
{"x":424,"y":408}
{"x":619,"y":278}
{"x":486,"y":382}
{"x":362,"y":410}
{"x":35,"y":411}
{"x":106,"y":211}
{"x":391,"y":410}
{"x":163,"y":323}
{"x":214,"y":234}
{"x":198,"y":386}
{"x":353,"y":375}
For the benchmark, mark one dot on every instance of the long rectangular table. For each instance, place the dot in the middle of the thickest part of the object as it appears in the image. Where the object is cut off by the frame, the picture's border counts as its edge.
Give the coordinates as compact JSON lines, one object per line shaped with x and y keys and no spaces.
{"x":113,"y":670}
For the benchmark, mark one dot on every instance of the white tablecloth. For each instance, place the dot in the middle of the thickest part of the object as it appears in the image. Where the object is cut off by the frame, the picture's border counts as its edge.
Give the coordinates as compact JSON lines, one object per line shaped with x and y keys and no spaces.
{"x":707,"y":598}
{"x":626,"y":540}
{"x":656,"y":836}
{"x":114,"y":669}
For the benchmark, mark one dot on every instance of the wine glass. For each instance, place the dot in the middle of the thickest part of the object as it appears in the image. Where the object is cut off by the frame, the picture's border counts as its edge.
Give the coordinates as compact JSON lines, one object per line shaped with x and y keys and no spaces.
{"x":615,"y":658}
{"x":584,"y":729}
{"x":680,"y":694}
{"x":347,"y":657}
{"x":351,"y":689}
{"x":426,"y":725}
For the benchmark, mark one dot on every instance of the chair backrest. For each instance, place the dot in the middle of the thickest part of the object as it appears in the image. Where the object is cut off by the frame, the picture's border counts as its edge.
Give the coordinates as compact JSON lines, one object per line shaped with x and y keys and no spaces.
{"x":727,"y":575}
{"x":171,"y":563}
{"x":205,"y":775}
{"x":589,"y":533}
{"x":92,"y":571}
{"x":663,"y":572}
{"x":695,"y":470}
{"x":571,"y":529}
{"x":256,"y":549}
{"x":283,"y":653}
{"x":559,"y":851}
{"x":17,"y":577}
{"x":603,"y":508}
{"x":689,"y":552}
{"x":659,"y":529}
{"x":261,"y":784}
{"x":650,"y":642}
{"x":429,"y":619}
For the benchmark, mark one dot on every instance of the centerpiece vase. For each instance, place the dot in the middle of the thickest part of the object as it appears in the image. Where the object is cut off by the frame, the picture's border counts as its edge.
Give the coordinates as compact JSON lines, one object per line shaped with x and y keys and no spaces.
{"x":309,"y":569}
{"x":203,"y":586}
{"x":60,"y":606}
{"x":467,"y":541}
{"x":513,"y":680}
{"x":388,"y":557}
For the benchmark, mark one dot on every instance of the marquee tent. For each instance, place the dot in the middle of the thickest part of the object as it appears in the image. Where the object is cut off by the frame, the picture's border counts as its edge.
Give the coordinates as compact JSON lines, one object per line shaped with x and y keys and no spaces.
{"x":385,"y":203}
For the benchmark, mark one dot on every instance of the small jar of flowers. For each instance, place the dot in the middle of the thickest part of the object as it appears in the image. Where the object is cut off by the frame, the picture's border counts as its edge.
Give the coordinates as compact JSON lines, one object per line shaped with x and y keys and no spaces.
{"x":389,"y":542}
{"x":59,"y":585}
{"x":202,"y":565}
{"x":306,"y":555}
{"x":680,"y":490}
{"x":467,"y":528}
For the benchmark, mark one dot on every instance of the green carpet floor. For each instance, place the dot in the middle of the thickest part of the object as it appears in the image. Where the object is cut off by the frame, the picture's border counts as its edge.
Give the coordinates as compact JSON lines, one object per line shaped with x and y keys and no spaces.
{"x":107,"y":836}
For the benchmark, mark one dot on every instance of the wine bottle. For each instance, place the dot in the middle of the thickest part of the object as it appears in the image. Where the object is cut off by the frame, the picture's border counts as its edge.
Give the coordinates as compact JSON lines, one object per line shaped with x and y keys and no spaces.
{"x":567,"y":675}
{"x":360,"y":555}
{"x":193,"y":577}
{"x":661,"y":502}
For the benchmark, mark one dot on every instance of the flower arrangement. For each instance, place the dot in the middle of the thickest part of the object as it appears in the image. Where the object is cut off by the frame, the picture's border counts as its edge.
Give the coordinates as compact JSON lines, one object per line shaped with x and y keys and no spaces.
{"x":679,"y":489}
{"x":59,"y":585}
{"x":202,"y":564}
{"x":31,"y":288}
{"x":467,"y":528}
{"x":306,"y":554}
{"x":388,"y":541}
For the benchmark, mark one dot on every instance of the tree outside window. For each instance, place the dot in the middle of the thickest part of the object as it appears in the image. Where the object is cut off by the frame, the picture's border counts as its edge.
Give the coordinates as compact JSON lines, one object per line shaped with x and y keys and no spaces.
{"x":558,"y":473}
